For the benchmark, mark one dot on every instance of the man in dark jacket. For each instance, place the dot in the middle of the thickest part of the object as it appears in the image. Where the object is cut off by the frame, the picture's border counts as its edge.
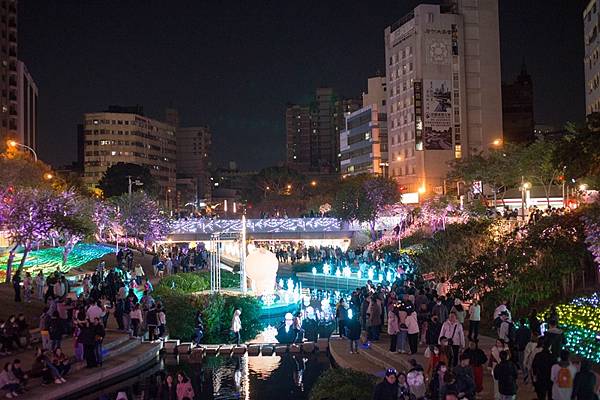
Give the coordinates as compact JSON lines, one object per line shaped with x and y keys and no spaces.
{"x":464,"y":377}
{"x":541,"y":370}
{"x":433,"y":331}
{"x":506,"y":375}
{"x":388,"y":388}
{"x":522,"y":337}
{"x":555,"y":338}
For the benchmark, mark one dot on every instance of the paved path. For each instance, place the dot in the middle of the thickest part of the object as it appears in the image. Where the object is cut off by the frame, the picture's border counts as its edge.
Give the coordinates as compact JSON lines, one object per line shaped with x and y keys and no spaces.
{"x":376,"y":358}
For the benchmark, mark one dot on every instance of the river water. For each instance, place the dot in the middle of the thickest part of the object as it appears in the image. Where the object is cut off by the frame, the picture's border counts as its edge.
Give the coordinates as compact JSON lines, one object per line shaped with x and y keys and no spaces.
{"x":250,"y":378}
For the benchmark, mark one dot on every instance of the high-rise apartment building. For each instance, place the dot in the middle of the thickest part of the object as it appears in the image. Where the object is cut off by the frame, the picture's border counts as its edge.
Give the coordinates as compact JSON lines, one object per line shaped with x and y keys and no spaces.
{"x":8,"y":70}
{"x":364,"y":141}
{"x":517,"y":109}
{"x":591,"y":25}
{"x":443,"y":89}
{"x":193,"y":164}
{"x":124,"y":134}
{"x":18,"y":91}
{"x":27,"y":105}
{"x":314,"y":147}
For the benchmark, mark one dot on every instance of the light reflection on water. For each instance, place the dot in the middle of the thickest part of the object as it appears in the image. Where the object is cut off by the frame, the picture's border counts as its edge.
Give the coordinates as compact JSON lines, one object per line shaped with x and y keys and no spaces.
{"x":247,"y":378}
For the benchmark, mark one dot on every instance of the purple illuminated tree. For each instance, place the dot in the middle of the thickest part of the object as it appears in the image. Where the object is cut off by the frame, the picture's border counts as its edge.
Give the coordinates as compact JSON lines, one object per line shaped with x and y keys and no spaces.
{"x":591,"y":220}
{"x":141,"y":218}
{"x":73,"y":221}
{"x":27,"y":215}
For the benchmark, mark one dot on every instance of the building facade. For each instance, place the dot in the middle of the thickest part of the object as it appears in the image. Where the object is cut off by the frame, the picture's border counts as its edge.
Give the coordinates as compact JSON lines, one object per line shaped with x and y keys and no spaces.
{"x":364,"y":140}
{"x":313,"y":132}
{"x":591,"y":22}
{"x":517,"y":109}
{"x":8,"y":71}
{"x":124,"y":134}
{"x":27,"y":106}
{"x":193,"y":165}
{"x":443,"y":89}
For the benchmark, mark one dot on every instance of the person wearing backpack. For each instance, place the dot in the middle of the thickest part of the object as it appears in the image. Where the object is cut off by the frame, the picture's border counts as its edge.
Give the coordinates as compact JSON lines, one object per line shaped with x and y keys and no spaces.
{"x":562,"y":375}
{"x":416,"y":380}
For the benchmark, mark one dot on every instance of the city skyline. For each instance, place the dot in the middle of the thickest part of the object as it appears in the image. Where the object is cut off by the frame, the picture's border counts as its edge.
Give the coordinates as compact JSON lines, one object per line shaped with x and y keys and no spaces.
{"x":236,"y":68}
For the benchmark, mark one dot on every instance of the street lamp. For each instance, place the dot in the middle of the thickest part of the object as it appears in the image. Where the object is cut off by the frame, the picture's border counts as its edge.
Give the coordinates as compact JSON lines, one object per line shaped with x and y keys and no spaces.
{"x":15,"y":144}
{"x":583,"y":187}
{"x":313,"y":183}
{"x":48,"y":176}
{"x":422,"y":189}
{"x":497,"y":142}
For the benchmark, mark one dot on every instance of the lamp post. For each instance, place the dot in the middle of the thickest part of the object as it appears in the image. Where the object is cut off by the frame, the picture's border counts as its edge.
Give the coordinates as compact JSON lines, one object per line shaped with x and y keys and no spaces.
{"x":14,"y":144}
{"x":524,"y":187}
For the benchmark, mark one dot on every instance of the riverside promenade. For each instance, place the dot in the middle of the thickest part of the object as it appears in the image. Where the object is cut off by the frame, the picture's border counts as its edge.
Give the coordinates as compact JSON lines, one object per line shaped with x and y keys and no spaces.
{"x":376,"y":358}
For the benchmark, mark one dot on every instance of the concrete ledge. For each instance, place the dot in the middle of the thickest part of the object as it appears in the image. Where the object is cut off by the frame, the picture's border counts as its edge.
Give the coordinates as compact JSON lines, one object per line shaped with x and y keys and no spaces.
{"x":323,"y":344}
{"x":308,"y":347}
{"x":254,"y":350}
{"x":267,"y":350}
{"x":281,"y":349}
{"x":170,"y":346}
{"x":184,"y":348}
{"x":211,"y":349}
{"x":239,"y":350}
{"x":295,"y":348}
{"x":226,"y":349}
{"x":197,"y":355}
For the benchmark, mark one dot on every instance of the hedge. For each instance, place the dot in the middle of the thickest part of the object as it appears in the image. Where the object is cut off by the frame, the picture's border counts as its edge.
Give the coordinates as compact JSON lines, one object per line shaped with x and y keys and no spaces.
{"x":343,"y":384}
{"x":191,"y":282}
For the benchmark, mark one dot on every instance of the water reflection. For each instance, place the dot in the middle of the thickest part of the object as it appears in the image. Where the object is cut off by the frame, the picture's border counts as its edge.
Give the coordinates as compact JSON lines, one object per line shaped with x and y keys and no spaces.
{"x":221,"y":378}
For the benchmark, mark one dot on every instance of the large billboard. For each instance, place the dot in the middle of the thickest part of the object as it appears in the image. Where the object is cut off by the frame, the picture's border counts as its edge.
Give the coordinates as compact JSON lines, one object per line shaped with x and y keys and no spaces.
{"x":437,"y":114}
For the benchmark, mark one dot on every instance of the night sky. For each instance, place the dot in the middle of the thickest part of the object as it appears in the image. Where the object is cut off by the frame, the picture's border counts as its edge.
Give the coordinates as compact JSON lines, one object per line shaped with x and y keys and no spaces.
{"x":235,"y":65}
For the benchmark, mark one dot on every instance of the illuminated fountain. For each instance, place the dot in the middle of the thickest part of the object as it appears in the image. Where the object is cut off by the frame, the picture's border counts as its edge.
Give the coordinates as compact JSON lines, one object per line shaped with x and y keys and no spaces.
{"x":278,"y":297}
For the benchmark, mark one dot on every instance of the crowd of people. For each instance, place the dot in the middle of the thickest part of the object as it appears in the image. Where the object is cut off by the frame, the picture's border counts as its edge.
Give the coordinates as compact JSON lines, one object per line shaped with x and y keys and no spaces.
{"x":84,"y":316}
{"x":528,"y":351}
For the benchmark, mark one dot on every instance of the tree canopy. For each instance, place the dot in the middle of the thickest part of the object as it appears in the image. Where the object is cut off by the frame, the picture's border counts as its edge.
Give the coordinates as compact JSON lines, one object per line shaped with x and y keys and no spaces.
{"x":115,"y":181}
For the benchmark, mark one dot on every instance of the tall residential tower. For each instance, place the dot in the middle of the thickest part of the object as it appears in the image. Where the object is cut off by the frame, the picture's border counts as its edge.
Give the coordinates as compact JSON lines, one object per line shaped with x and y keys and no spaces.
{"x":443,"y":89}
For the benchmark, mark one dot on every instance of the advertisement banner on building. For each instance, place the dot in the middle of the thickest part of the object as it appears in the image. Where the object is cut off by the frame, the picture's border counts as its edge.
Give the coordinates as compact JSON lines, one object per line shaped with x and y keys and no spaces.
{"x":437,"y":121}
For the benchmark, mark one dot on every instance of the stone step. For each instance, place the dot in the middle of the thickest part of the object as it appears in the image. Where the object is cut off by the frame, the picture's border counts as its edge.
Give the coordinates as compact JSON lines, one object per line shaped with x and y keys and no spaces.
{"x":119,"y":364}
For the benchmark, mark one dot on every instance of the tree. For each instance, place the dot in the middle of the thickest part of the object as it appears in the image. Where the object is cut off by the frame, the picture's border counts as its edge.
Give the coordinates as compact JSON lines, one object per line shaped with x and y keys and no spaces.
{"x":21,"y":171}
{"x":497,"y":168}
{"x":28,"y":217}
{"x":141,"y":218}
{"x":277,"y":181}
{"x":361,"y":198}
{"x":537,"y":162}
{"x":115,"y":181}
{"x":73,"y":221}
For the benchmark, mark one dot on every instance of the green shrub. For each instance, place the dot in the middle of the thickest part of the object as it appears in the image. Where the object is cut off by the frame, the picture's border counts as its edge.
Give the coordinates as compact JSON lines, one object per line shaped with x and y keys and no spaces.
{"x":191,"y":282}
{"x":343,"y":384}
{"x":217,"y":312}
{"x":180,"y":315}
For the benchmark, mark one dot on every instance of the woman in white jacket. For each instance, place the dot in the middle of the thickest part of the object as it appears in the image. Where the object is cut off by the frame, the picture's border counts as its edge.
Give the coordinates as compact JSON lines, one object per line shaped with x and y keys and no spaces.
{"x":413,"y":331}
{"x":236,"y":325}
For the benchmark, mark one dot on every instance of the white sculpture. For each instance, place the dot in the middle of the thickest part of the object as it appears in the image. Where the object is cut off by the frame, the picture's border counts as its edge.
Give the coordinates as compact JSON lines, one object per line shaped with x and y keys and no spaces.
{"x":261,"y":269}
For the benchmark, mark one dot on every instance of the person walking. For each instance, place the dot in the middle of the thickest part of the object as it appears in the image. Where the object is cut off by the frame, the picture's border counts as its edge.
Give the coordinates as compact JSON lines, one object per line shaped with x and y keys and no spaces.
{"x":477,"y":360}
{"x":453,"y":330}
{"x":474,"y":320}
{"x":542,"y":369}
{"x":522,"y":338}
{"x":584,"y":384}
{"x":506,"y":374}
{"x":392,"y":327}
{"x":236,"y":325}
{"x":341,"y":314}
{"x":16,"y":281}
{"x":388,"y":388}
{"x":353,"y":332}
{"x":412,"y":325}
{"x":39,"y":282}
{"x":562,"y":375}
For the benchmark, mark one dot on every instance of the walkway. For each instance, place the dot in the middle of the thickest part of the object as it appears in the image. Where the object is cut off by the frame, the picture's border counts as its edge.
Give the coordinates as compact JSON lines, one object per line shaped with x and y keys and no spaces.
{"x":377,"y":358}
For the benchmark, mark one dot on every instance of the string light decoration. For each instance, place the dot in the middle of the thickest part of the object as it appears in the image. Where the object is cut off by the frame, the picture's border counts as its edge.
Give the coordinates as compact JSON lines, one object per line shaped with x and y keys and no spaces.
{"x":580,"y":321}
{"x":49,"y":259}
